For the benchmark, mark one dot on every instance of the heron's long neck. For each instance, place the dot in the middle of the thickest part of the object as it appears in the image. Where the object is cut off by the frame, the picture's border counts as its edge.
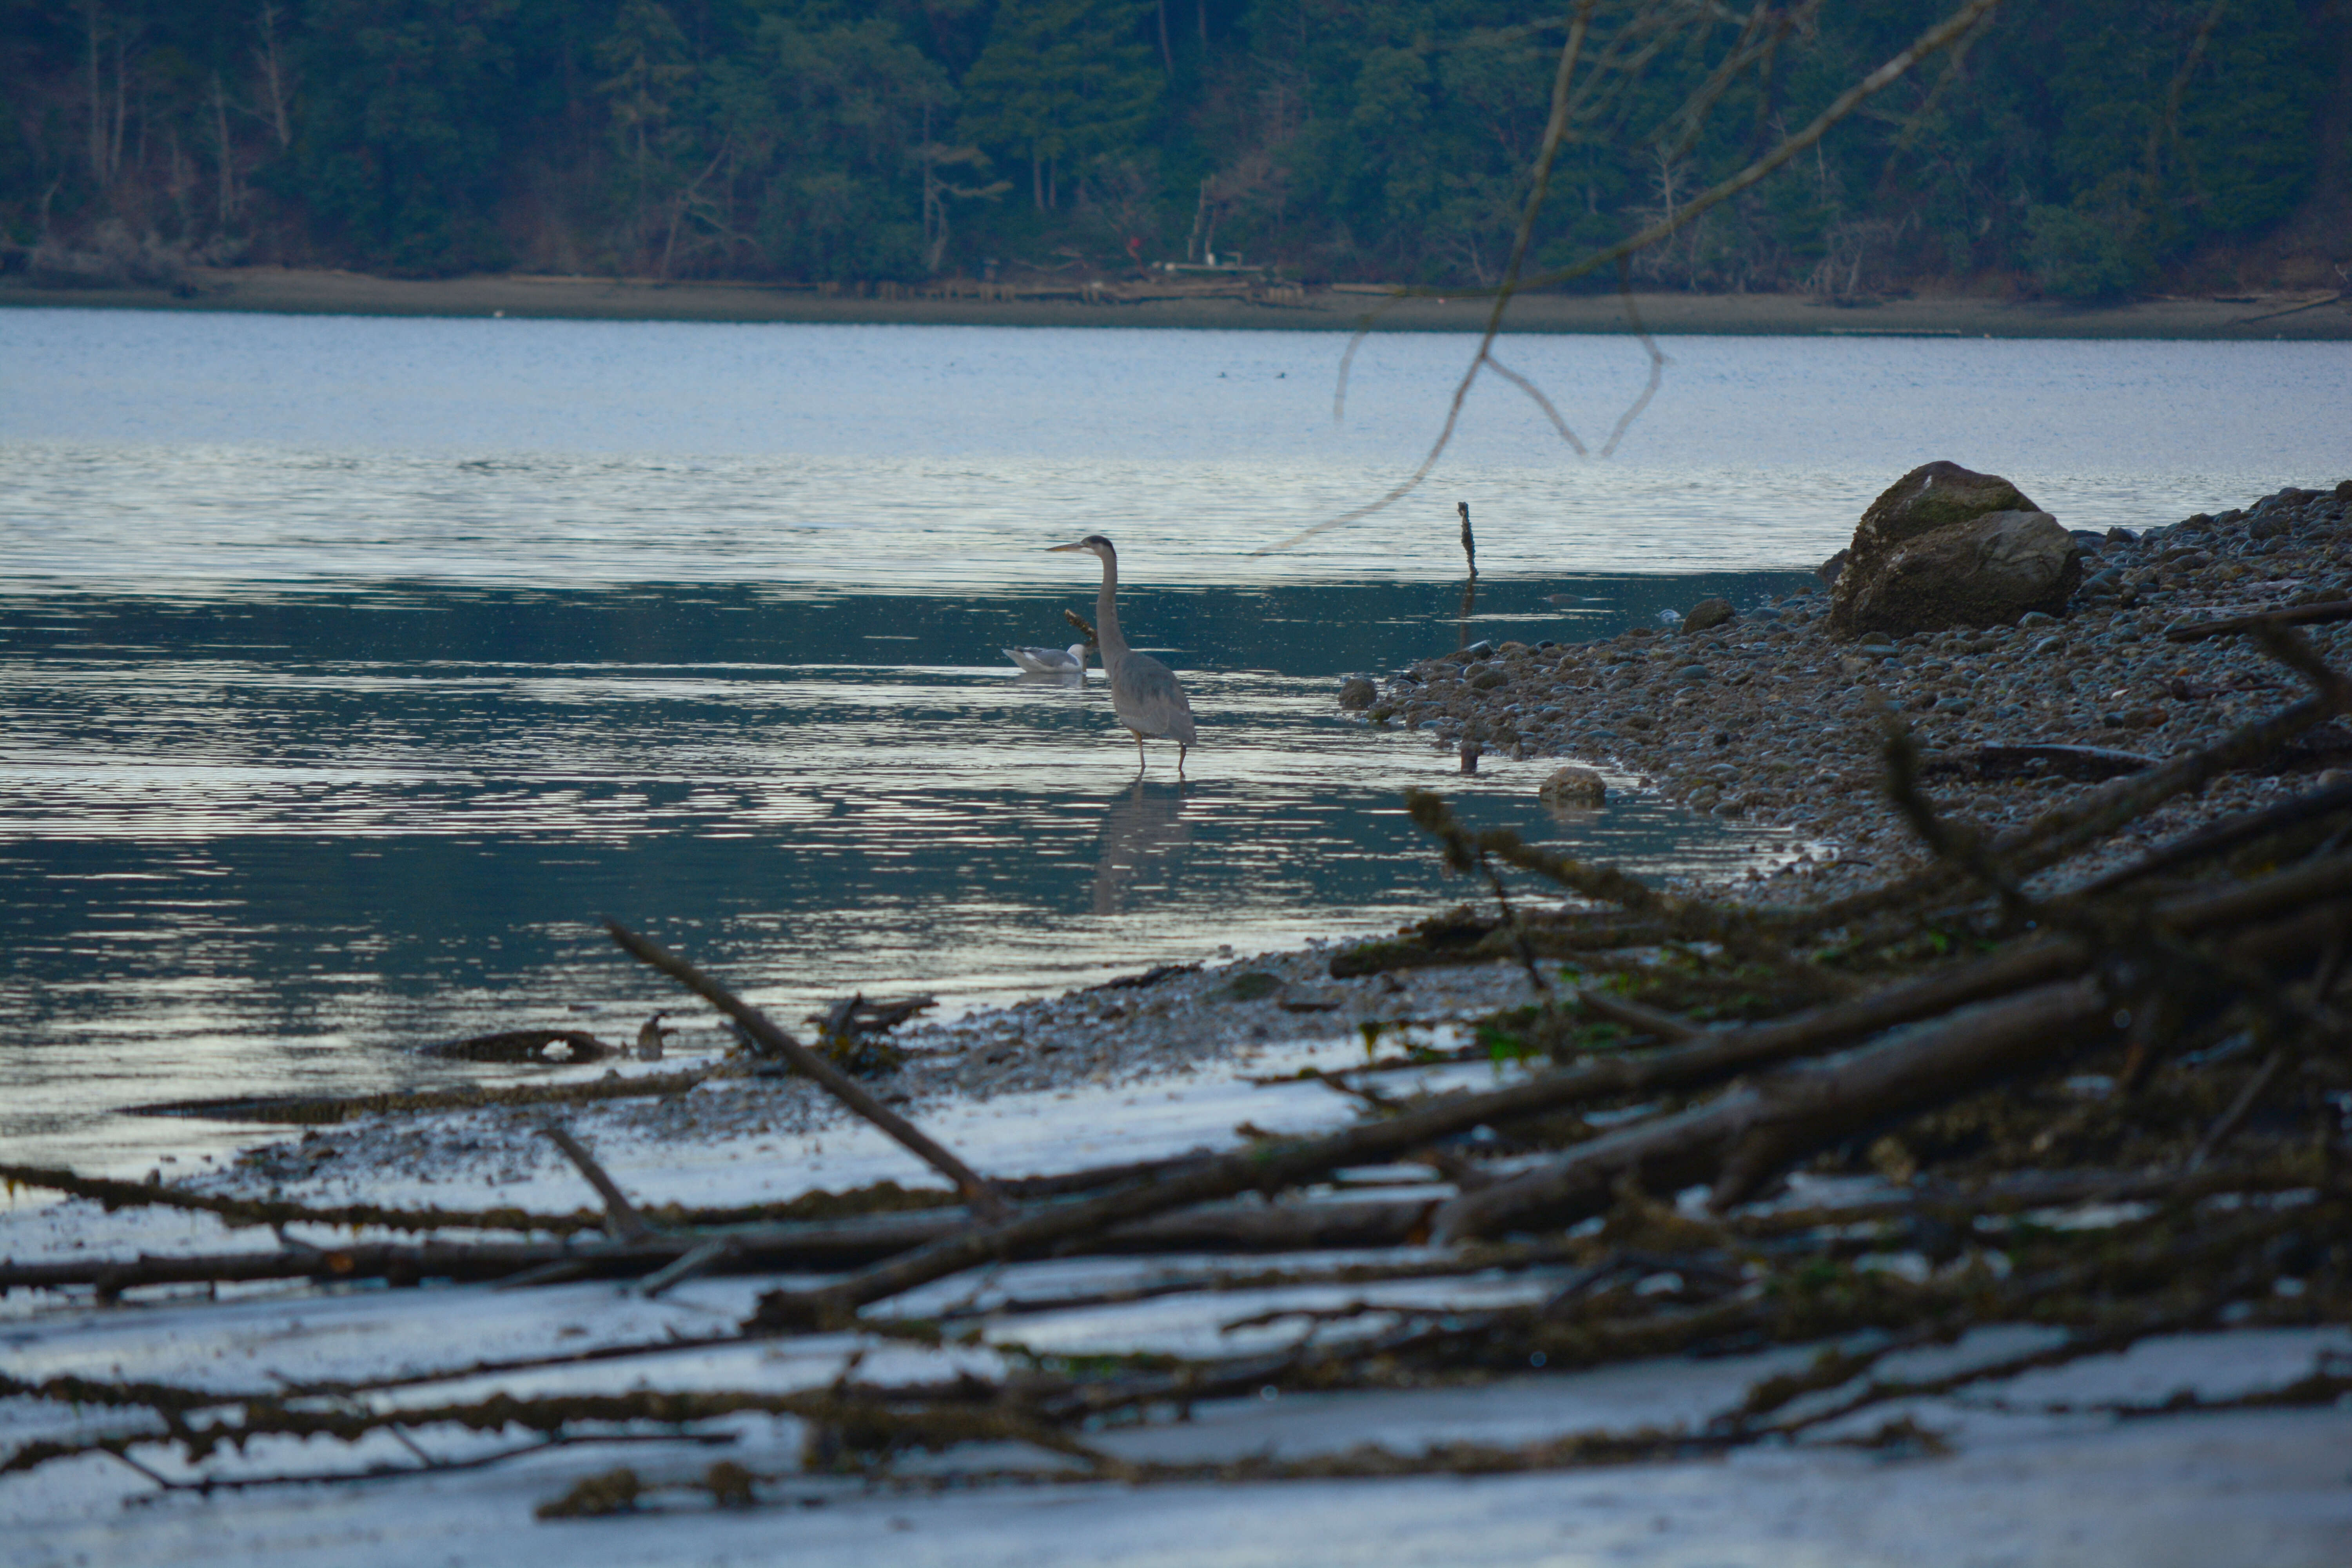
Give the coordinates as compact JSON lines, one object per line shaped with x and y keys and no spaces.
{"x":1107,"y":634}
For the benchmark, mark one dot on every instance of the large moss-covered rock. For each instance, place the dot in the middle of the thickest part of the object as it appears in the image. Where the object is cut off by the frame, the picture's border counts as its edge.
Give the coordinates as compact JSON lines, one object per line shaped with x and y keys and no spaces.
{"x":1987,"y":571}
{"x":1708,"y":615}
{"x":1932,"y":495}
{"x":1573,"y":787}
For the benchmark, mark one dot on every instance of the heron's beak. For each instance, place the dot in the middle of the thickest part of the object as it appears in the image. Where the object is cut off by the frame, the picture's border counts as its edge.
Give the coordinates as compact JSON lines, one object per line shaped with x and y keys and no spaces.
{"x":1057,"y":547}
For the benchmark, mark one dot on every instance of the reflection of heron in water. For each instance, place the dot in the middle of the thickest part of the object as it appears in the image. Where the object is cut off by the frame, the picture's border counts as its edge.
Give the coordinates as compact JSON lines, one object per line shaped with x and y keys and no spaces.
{"x":1143,"y":691}
{"x":1050,"y":661}
{"x":1141,"y":826}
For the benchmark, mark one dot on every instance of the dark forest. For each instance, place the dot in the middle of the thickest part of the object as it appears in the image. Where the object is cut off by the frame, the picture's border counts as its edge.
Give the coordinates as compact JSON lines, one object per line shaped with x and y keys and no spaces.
{"x":2081,"y":150}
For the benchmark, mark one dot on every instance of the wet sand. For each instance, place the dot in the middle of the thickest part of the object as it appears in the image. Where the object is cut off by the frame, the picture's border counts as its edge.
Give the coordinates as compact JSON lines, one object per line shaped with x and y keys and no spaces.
{"x":326,"y":292}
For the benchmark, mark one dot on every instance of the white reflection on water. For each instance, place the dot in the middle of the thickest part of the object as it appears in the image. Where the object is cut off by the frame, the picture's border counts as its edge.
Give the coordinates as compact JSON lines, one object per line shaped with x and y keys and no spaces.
{"x":432,"y":865}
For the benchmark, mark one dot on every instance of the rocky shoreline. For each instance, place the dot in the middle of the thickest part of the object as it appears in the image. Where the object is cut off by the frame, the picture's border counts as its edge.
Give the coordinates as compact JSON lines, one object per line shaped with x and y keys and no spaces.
{"x":1768,"y":714}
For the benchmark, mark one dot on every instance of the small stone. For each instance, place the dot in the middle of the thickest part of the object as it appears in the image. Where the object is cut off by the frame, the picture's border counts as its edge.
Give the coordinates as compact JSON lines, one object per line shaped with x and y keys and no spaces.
{"x":1355,"y":691}
{"x":1691,"y":674}
{"x":1486,"y":678}
{"x":1573,"y":787}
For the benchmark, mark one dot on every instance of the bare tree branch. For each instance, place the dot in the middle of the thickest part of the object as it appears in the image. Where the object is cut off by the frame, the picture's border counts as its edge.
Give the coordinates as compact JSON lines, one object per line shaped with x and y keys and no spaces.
{"x":1936,"y":38}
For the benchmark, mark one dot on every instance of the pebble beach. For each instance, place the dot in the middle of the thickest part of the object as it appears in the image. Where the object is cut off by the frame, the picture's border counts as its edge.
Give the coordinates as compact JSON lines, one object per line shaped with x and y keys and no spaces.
{"x":1766,"y":716}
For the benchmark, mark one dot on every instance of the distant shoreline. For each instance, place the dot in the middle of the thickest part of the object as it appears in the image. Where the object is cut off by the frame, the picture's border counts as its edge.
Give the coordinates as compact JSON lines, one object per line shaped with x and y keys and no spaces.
{"x":308,"y":291}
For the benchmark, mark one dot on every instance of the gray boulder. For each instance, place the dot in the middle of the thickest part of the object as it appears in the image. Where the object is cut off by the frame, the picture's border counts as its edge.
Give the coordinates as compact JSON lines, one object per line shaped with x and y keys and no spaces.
{"x":1574,"y":787}
{"x":1357,"y":691}
{"x":1989,"y":571}
{"x":1706,"y":614}
{"x":1928,"y":499}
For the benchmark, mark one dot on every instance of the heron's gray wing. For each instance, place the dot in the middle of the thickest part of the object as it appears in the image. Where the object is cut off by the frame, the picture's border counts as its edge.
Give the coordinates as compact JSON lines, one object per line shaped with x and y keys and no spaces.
{"x":1145,"y":696}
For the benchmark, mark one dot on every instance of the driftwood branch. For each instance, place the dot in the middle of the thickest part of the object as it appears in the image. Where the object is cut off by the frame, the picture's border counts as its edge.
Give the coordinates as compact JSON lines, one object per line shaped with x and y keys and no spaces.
{"x":2066,"y":831}
{"x":626,"y":1223}
{"x":1757,"y":1129}
{"x":840,"y":1085}
{"x":240,"y":1212}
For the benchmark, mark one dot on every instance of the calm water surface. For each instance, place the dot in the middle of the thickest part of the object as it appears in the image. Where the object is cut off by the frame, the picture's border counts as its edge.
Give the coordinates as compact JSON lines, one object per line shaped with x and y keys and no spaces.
{"x":349,"y":666}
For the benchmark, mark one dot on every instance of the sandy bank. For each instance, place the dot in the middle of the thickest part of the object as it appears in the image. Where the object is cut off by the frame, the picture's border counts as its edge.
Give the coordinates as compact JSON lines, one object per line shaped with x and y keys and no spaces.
{"x":315,"y":291}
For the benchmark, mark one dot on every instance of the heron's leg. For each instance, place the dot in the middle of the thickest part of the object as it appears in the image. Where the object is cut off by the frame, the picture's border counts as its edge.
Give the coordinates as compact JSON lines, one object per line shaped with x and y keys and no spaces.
{"x":1181,"y":749}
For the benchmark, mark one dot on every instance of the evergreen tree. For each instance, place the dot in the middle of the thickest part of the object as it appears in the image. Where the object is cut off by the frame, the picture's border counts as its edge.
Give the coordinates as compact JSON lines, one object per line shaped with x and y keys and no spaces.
{"x":1060,"y":81}
{"x":399,"y":145}
{"x":2249,"y":118}
{"x":826,"y":122}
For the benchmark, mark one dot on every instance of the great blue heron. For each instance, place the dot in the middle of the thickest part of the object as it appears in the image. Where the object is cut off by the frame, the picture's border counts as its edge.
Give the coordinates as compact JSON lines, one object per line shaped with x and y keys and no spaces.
{"x":1050,"y":661}
{"x":1143,"y":691}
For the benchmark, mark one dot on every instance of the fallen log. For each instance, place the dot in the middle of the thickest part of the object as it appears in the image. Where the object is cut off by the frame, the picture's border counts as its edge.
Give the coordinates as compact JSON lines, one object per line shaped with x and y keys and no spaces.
{"x":328,"y":1111}
{"x":2232,"y":625}
{"x":1759,"y":1127}
{"x":2219,"y":837}
{"x":1737,"y":1140}
{"x":2001,"y":762}
{"x":535,"y":1047}
{"x":746,"y":1249}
